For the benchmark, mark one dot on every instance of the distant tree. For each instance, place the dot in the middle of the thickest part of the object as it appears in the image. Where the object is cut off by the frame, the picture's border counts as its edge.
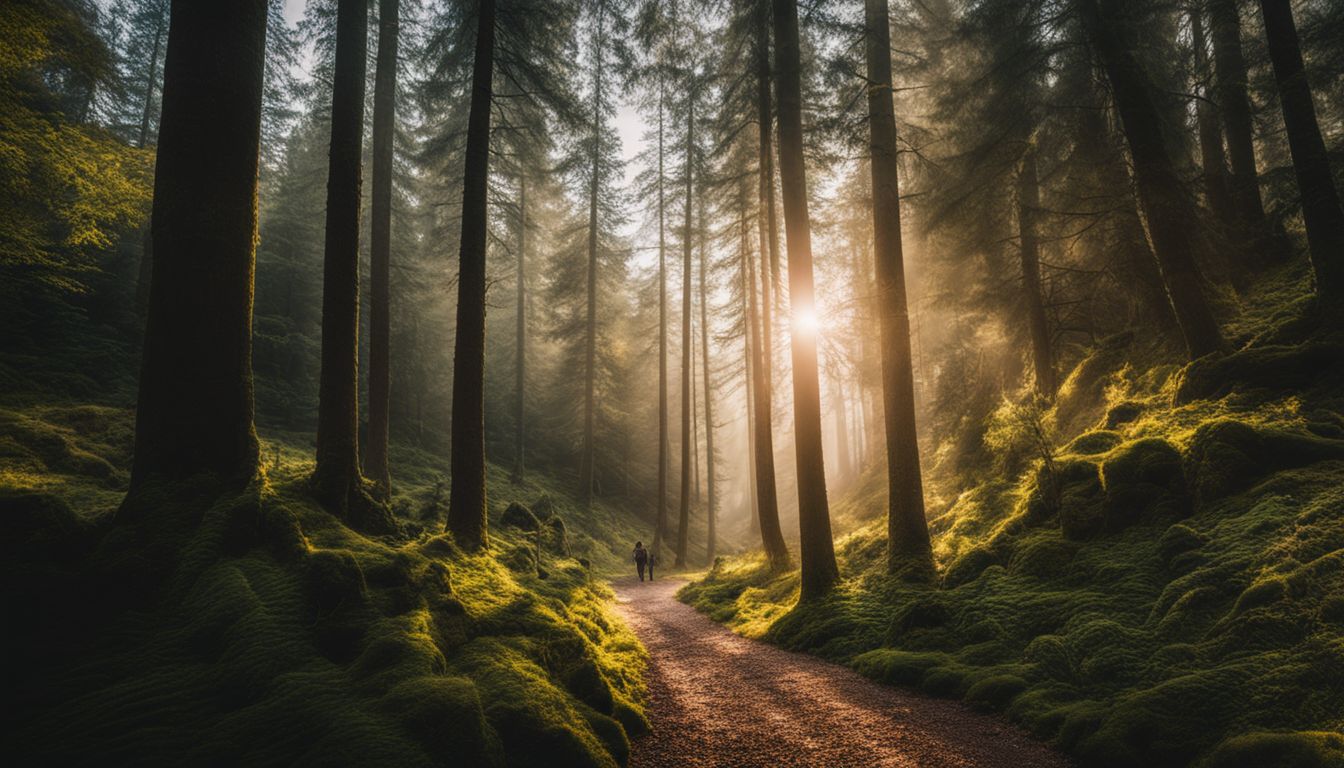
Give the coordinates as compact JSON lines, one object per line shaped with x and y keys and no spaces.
{"x":687,"y":405}
{"x":907,"y":531}
{"x":1167,"y":206}
{"x":1321,"y":209}
{"x":380,"y":246}
{"x":195,"y":408}
{"x":467,"y":500}
{"x":1235,"y":106}
{"x":1028,"y":208}
{"x":712,"y":508}
{"x":1213,"y":160}
{"x":817,"y":553}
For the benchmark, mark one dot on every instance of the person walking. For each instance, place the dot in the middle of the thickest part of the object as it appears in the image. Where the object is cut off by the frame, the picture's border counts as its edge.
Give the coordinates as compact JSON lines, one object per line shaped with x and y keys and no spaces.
{"x":653,"y":560}
{"x":641,"y":559}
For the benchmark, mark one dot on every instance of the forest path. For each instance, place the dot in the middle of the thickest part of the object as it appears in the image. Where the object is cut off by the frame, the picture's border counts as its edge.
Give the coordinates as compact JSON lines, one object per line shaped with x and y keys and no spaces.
{"x":718,"y":699}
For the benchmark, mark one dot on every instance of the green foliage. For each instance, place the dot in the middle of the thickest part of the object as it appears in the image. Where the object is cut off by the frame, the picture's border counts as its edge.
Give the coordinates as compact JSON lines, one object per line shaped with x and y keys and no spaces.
{"x":1163,"y":591}
{"x":257,"y":629}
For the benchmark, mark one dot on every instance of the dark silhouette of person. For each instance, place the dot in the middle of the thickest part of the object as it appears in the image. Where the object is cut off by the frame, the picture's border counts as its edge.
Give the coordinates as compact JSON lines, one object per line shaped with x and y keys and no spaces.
{"x":653,"y":560}
{"x":642,"y":558}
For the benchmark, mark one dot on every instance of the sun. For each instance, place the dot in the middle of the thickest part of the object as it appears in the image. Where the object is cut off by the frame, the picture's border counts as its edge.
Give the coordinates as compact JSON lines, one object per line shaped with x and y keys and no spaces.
{"x":807,"y":321}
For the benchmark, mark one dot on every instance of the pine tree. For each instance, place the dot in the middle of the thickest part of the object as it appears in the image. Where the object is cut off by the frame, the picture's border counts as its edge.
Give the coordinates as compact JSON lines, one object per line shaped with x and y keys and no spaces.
{"x":380,"y":248}
{"x":195,"y":411}
{"x":817,"y":554}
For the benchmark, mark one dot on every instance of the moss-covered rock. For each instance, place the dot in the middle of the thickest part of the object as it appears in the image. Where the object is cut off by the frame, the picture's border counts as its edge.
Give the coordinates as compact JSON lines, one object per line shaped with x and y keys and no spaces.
{"x":995,"y":692}
{"x":518,"y":516}
{"x":1177,"y":540}
{"x":1044,"y":556}
{"x":1143,"y":479}
{"x":1301,"y":749}
{"x":444,"y":715}
{"x":1122,"y":413}
{"x":1094,"y":443}
{"x":1270,"y":368}
{"x":1081,"y":500}
{"x":1227,"y":456}
{"x":969,"y":565}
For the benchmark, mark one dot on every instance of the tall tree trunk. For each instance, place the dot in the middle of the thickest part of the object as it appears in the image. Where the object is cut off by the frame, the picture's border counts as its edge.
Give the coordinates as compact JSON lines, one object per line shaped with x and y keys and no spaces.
{"x":380,"y":246}
{"x":1213,"y":161}
{"x":520,"y":339}
{"x":467,"y":520}
{"x":1235,"y":105}
{"x":713,"y":502}
{"x":817,"y":552}
{"x":845,"y":465}
{"x":772,"y":537}
{"x":150,"y":82}
{"x":1028,"y":204}
{"x":907,"y":531}
{"x":749,"y":383}
{"x":195,"y":407}
{"x":586,"y":470}
{"x":1166,"y":206}
{"x":337,"y":481}
{"x":763,"y":454}
{"x":664,"y":440}
{"x":687,"y":406}
{"x":1321,"y":209}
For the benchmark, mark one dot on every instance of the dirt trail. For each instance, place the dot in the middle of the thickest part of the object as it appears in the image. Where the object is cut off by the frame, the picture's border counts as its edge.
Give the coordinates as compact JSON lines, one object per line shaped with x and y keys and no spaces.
{"x":717,"y":699}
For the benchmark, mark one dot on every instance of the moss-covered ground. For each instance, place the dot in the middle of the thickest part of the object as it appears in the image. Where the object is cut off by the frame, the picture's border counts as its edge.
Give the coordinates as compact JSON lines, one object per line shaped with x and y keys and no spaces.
{"x":255,"y":629}
{"x":1157,"y":582}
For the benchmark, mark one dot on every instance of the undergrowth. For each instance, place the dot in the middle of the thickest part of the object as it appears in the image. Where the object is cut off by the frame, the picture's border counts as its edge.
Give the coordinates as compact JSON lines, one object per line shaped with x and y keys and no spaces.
{"x":256,"y":629}
{"x":1149,"y":572}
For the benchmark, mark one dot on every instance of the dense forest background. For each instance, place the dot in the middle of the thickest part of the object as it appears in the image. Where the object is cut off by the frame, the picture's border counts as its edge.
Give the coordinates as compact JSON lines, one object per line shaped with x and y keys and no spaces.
{"x":1111,"y":385}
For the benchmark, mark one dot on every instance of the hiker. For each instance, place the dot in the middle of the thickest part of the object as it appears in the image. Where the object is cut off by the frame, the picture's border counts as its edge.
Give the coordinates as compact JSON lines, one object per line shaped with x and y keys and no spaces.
{"x":653,"y":560}
{"x":641,"y":557}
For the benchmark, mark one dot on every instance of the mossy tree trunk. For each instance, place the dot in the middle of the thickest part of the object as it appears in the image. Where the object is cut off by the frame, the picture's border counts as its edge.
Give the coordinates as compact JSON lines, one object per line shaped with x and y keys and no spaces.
{"x":337,"y":480}
{"x":817,"y":551}
{"x":1321,"y":210}
{"x":772,"y":535}
{"x":1167,"y":206}
{"x":380,"y":246}
{"x":907,"y":531}
{"x":467,"y":500}
{"x":195,"y":406}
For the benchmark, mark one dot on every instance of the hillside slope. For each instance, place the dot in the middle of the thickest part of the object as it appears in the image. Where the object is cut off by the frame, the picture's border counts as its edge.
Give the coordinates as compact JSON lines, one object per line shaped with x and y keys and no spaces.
{"x":1148,"y":572}
{"x":258,"y":630}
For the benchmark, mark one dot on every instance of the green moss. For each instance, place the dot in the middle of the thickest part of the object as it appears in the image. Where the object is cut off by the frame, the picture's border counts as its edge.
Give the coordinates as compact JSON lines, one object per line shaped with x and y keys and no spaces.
{"x":1093,"y":443}
{"x":518,"y":516}
{"x":1143,"y":479}
{"x":1303,"y":749}
{"x":1046,"y":556}
{"x":995,"y":692}
{"x":1081,"y":502}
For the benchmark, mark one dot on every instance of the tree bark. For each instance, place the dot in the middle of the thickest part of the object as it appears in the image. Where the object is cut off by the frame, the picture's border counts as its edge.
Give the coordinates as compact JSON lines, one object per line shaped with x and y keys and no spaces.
{"x":907,"y":531}
{"x":772,"y":536}
{"x":380,"y":246}
{"x":1235,"y":105}
{"x":467,"y":501}
{"x":844,"y":461}
{"x":713,"y":501}
{"x":586,"y":469}
{"x":763,"y":455}
{"x":817,"y":553}
{"x":195,"y":405}
{"x":687,"y":406}
{"x":1028,"y":204}
{"x":520,"y":339}
{"x":1213,"y":161}
{"x":1321,"y":210}
{"x":337,"y":481}
{"x":664,"y":440}
{"x":150,"y":83}
{"x":1167,"y":208}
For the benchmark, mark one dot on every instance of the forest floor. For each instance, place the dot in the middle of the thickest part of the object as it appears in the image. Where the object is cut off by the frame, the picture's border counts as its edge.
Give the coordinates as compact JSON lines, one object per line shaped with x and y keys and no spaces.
{"x":719,"y":699}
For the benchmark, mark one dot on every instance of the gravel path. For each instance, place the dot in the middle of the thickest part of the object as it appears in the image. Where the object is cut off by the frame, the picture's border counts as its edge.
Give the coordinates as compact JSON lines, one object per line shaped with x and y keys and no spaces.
{"x":717,"y":699}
